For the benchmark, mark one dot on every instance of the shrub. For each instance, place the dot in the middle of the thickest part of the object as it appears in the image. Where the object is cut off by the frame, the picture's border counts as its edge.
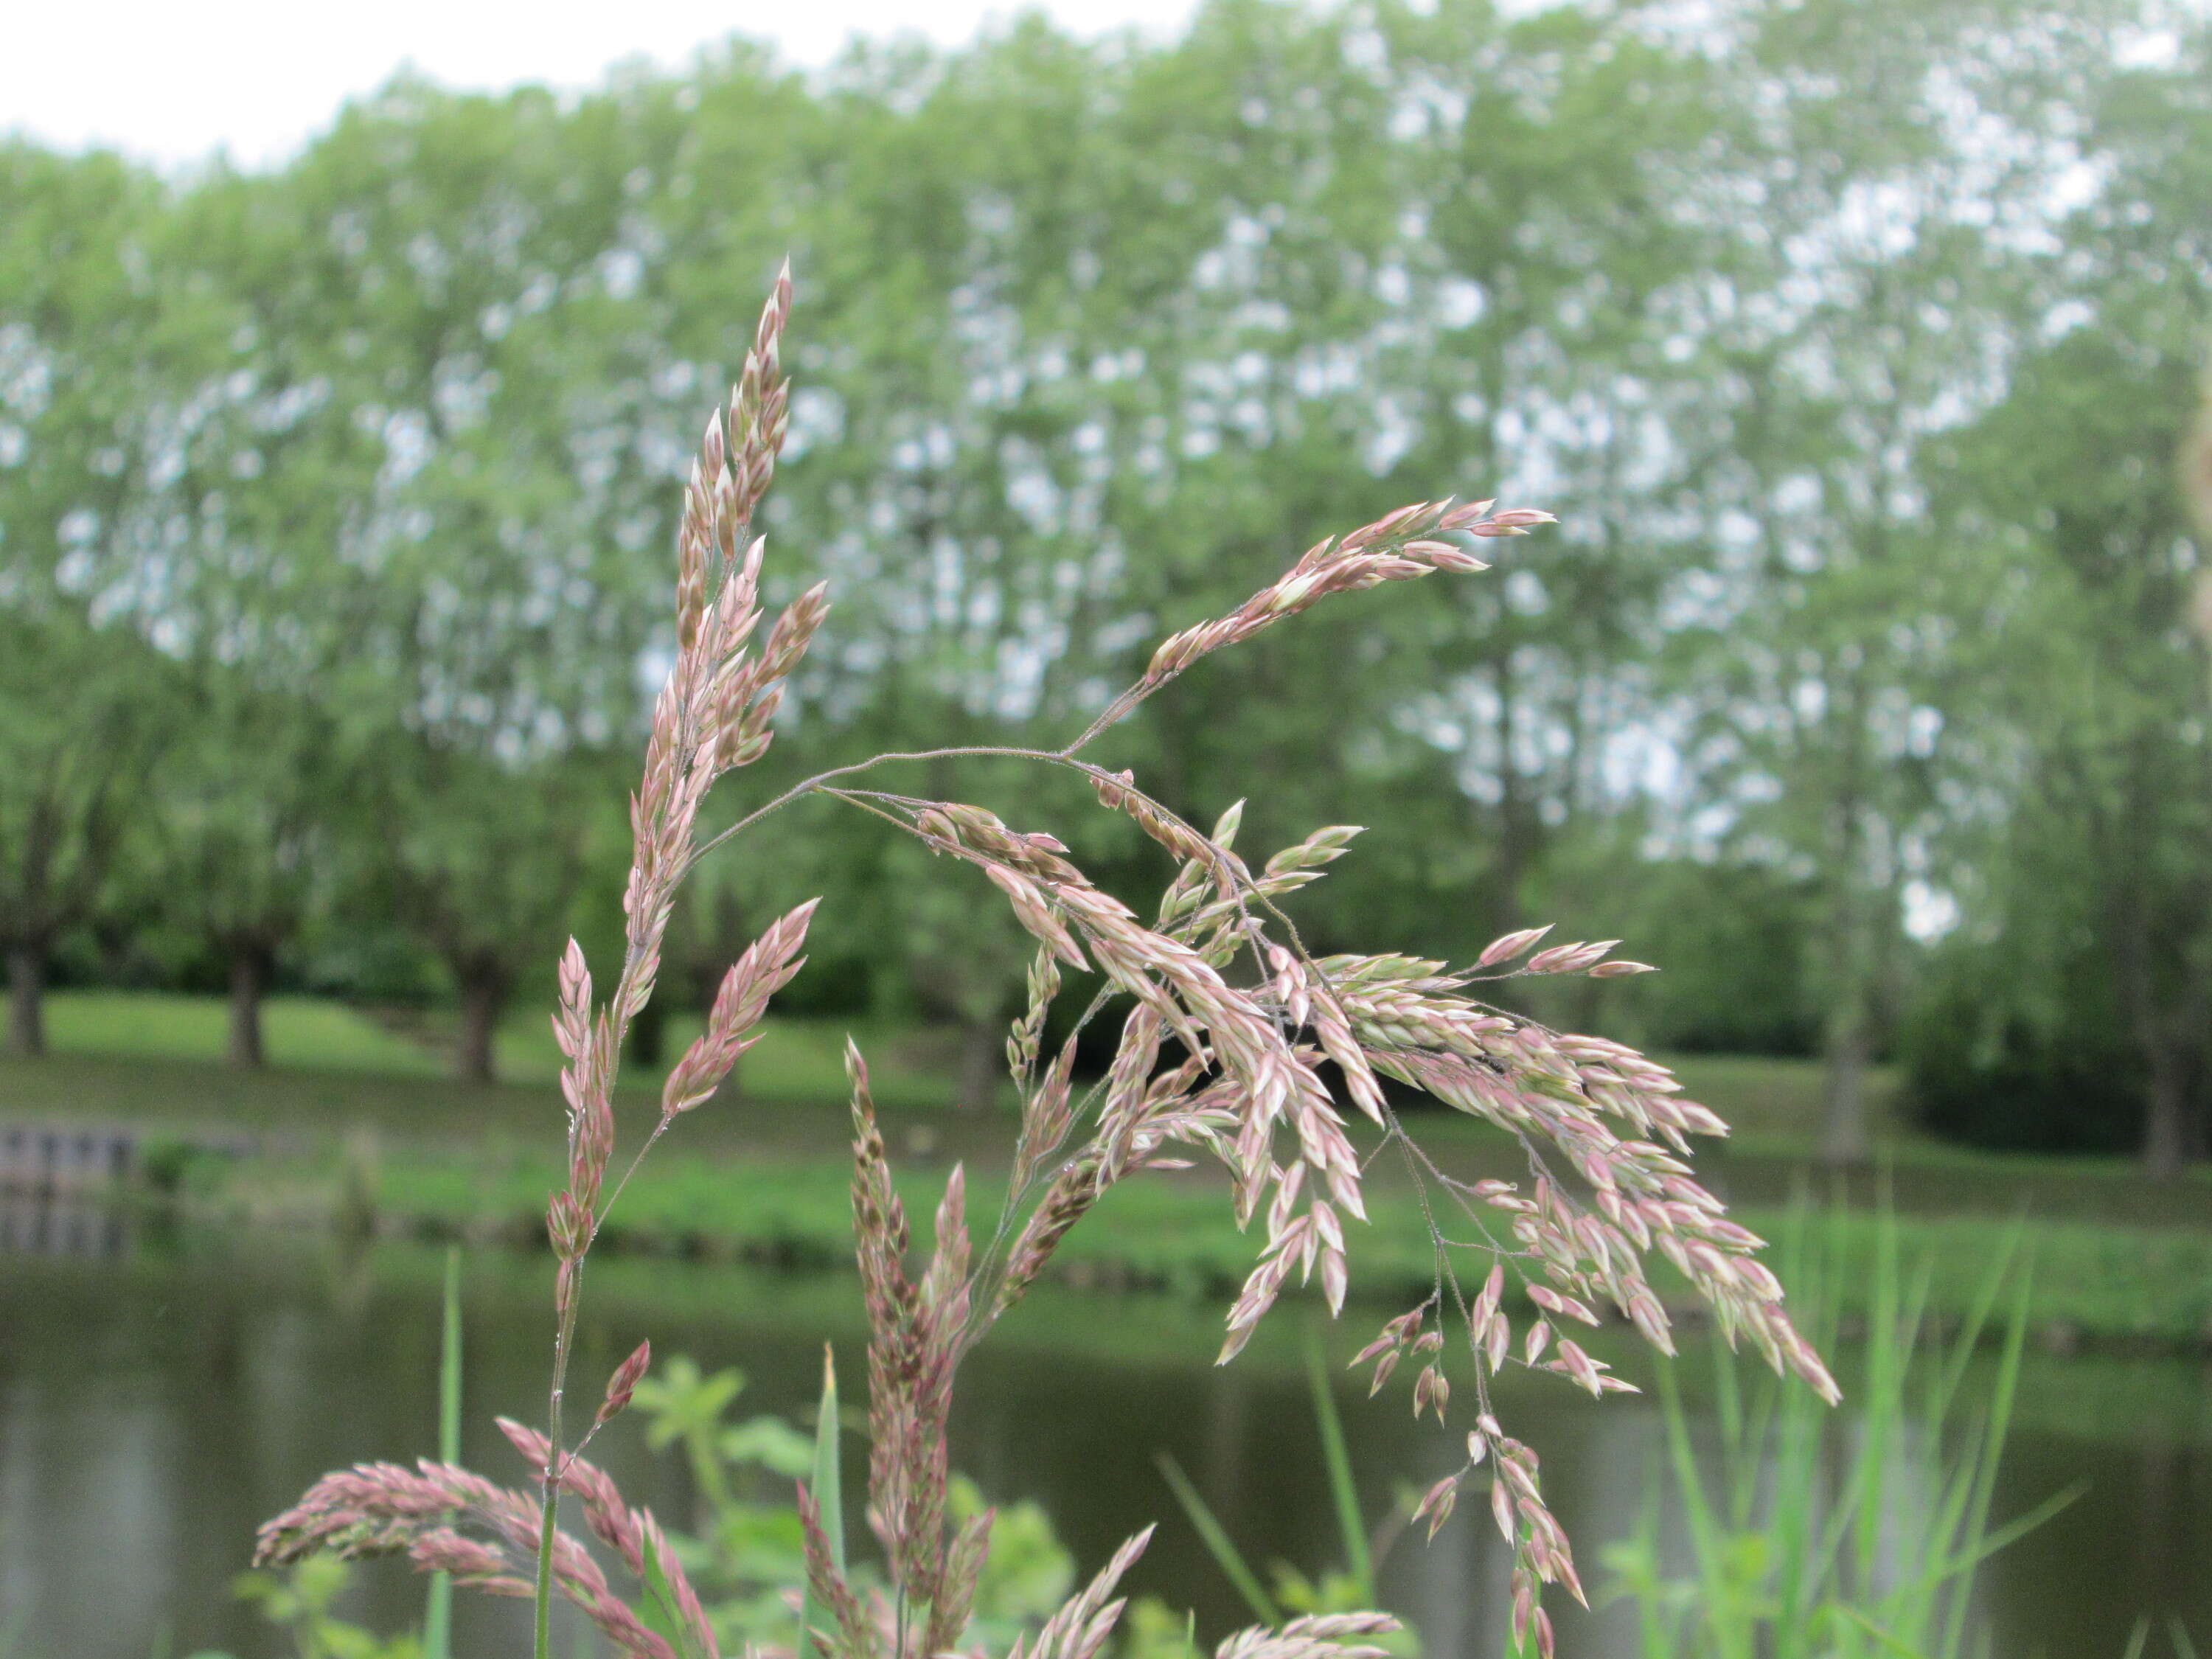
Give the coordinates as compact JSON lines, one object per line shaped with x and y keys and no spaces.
{"x":1984,"y":1071}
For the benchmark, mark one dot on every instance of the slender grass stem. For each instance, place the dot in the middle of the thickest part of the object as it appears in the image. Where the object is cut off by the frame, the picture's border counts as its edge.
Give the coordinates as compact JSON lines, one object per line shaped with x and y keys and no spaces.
{"x":549,"y":1502}
{"x":438,"y":1615}
{"x":1359,"y":1561}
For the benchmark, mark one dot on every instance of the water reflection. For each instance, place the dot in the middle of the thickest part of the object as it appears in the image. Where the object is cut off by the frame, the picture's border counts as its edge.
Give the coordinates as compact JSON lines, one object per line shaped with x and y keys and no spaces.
{"x":35,"y":1223}
{"x":46,"y":1158}
{"x":156,"y":1402}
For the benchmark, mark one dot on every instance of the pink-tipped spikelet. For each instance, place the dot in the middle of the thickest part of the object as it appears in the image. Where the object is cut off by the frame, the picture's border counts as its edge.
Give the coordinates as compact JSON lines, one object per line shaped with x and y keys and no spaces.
{"x":1234,"y":1044}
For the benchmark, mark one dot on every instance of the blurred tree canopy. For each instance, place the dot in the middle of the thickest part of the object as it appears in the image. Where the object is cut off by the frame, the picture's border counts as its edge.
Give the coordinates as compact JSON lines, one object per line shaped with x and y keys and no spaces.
{"x":1864,"y":685}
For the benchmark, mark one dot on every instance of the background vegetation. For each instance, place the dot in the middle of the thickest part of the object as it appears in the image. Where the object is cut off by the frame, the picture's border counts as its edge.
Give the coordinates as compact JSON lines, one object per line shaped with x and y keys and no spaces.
{"x":1856,"y":343}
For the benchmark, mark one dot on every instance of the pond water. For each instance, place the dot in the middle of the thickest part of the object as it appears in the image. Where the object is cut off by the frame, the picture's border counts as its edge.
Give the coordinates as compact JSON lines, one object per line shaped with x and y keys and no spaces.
{"x":162,"y":1393}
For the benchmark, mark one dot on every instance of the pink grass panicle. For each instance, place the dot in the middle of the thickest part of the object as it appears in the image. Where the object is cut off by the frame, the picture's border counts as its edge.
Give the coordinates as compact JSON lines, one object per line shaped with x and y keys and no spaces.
{"x":1236,"y":1044}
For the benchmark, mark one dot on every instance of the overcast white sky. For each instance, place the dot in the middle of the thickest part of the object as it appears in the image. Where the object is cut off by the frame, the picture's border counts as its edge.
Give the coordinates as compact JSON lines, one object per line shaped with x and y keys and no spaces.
{"x":172,"y":81}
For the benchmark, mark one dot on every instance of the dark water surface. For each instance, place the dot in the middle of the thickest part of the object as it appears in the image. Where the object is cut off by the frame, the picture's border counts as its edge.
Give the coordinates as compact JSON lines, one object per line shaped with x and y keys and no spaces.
{"x":159,"y":1394}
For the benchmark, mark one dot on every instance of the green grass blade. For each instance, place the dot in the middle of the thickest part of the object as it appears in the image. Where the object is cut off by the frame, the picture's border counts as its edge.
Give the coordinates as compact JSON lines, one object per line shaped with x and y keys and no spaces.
{"x":1705,"y":1528}
{"x":662,"y":1613}
{"x":1216,"y":1540}
{"x":1356,"y":1559}
{"x":438,"y":1615}
{"x":1890,"y":1643}
{"x":1984,"y":1545}
{"x":2003,"y":1393}
{"x":828,"y":1489}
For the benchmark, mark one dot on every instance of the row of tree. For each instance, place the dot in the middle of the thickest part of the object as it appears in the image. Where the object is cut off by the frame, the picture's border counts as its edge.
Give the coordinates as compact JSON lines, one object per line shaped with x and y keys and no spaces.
{"x":1853,"y":341}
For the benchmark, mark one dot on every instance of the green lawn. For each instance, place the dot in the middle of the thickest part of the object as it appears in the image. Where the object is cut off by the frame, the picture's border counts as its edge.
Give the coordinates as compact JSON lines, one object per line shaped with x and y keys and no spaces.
{"x":153,"y":1057}
{"x":796,"y":1060}
{"x":303,"y":1032}
{"x":1764,"y":1098}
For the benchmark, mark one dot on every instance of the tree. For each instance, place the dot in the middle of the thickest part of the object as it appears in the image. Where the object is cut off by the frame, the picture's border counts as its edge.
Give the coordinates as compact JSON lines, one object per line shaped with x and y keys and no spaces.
{"x":1868,"y":316}
{"x":247,"y":804}
{"x":90,"y":411}
{"x":2096,"y":640}
{"x":1560,"y":283}
{"x":485,"y":861}
{"x":268,"y":486}
{"x":464,"y":267}
{"x":79,"y":720}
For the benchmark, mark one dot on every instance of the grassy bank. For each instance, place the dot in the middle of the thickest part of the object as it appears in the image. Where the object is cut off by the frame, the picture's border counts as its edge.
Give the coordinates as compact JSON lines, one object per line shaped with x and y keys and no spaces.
{"x":354,"y":1109}
{"x":156,"y":1060}
{"x":2095,"y":1284}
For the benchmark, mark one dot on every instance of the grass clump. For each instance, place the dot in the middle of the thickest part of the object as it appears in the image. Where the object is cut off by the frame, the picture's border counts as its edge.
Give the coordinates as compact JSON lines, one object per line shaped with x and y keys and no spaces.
{"x":1802,"y":1535}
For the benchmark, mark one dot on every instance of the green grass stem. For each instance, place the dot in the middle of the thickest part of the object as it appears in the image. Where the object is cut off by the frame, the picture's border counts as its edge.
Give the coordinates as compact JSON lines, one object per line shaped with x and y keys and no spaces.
{"x":1219,"y":1544}
{"x":1820,"y":1535}
{"x":1358,"y":1561}
{"x":438,"y":1615}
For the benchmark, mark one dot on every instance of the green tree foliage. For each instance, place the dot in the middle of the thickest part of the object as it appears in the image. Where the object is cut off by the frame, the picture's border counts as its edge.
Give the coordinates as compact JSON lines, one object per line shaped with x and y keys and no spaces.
{"x":1871,"y":315}
{"x":2093,"y":938}
{"x":1851,"y":343}
{"x":94,"y":387}
{"x":470,"y":285}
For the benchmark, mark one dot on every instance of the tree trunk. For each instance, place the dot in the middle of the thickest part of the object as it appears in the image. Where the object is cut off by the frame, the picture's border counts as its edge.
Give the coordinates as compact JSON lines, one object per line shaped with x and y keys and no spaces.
{"x":484,"y":994}
{"x":2166,"y":1126}
{"x":982,"y":1059}
{"x":1515,"y":848}
{"x":1848,"y":1038}
{"x":249,"y":968}
{"x":1848,"y":1047}
{"x":648,"y":1035}
{"x":27,"y":990}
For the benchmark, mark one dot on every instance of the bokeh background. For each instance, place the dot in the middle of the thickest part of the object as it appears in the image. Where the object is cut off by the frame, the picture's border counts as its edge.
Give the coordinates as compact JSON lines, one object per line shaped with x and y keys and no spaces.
{"x":1858,"y":345}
